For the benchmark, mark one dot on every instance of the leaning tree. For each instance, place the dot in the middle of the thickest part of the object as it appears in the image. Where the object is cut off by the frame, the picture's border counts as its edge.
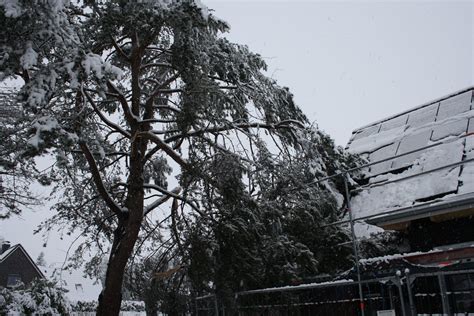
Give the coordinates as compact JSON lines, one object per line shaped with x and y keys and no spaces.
{"x":127,"y":98}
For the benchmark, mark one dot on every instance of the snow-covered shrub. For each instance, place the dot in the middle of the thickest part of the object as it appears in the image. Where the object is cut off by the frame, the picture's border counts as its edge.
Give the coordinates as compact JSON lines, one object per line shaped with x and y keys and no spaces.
{"x":82,"y":306}
{"x":127,"y":306}
{"x":41,"y":297}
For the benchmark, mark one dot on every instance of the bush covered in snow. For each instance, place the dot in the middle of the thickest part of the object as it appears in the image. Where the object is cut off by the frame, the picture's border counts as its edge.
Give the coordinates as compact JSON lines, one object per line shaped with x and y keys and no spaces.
{"x":41,"y":297}
{"x":127,"y":306}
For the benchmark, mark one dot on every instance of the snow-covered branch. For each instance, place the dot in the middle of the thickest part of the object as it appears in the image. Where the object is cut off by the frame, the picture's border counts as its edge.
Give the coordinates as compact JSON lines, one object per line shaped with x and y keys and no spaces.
{"x":156,"y":65}
{"x":216,"y":129}
{"x":169,"y":194}
{"x":163,"y":199}
{"x":166,"y":148}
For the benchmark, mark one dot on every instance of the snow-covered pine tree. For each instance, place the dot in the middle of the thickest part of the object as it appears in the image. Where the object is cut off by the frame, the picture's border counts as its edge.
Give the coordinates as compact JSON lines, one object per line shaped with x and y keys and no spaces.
{"x":16,"y":172}
{"x":117,"y":92}
{"x":37,"y":38}
{"x":268,"y":220}
{"x":41,"y":261}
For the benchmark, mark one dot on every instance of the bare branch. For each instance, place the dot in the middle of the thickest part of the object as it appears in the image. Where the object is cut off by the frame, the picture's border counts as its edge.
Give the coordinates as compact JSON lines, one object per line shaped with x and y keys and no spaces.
{"x":167,"y":107}
{"x":119,"y":50}
{"x":98,"y":180}
{"x":123,"y":101}
{"x":167,"y":91}
{"x":103,"y":118}
{"x":160,"y":88}
{"x":156,"y":65}
{"x":156,"y":121}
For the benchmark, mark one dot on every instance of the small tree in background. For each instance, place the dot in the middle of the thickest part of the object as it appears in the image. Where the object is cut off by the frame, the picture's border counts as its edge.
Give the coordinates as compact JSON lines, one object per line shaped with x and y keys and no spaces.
{"x":40,"y":261}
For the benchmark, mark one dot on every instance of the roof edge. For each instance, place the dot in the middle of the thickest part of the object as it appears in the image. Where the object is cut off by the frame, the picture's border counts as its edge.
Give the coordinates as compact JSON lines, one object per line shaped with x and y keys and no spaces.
{"x":19,"y":246}
{"x":450,"y":95}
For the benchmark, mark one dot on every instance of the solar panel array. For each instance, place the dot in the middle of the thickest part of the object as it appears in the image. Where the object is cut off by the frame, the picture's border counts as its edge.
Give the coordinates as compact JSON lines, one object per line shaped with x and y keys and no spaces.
{"x":444,"y":120}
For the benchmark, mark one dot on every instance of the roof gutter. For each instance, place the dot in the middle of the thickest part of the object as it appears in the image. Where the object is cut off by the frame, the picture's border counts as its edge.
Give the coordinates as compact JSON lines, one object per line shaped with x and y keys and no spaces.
{"x":422,"y":211}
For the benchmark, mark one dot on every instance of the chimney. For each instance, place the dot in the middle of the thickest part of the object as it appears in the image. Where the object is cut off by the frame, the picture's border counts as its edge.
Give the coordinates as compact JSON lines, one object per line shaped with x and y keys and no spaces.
{"x":5,"y":246}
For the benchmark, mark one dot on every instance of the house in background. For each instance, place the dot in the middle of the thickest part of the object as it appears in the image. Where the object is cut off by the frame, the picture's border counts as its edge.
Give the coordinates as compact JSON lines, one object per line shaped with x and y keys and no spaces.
{"x":424,"y":184}
{"x":420,"y":182}
{"x":16,"y":266}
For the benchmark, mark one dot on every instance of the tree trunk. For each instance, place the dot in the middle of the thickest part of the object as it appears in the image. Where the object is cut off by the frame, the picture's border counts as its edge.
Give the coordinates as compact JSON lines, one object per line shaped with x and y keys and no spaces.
{"x":125,"y":236}
{"x":124,"y":240}
{"x":129,"y":222}
{"x":151,"y":309}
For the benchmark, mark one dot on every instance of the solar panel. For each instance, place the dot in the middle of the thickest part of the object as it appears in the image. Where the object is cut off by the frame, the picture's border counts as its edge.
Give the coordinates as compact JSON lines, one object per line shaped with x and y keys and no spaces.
{"x":382,"y":153}
{"x":394,"y":123}
{"x":454,"y":105}
{"x":410,"y":143}
{"x":422,"y":116}
{"x":442,"y":155}
{"x":438,"y":121}
{"x":454,"y":128}
{"x":371,"y":130}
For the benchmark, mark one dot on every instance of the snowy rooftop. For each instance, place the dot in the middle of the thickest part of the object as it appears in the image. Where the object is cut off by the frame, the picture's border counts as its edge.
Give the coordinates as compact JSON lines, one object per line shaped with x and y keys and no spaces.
{"x":396,"y":185}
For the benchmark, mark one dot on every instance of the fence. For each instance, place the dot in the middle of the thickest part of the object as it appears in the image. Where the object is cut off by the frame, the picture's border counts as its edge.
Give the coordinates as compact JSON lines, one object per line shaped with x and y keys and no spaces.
{"x":433,"y":293}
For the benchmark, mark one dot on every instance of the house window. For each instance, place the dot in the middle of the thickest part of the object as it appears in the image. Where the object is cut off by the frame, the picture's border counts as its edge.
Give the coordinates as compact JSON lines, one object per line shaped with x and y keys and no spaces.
{"x":13,"y":280}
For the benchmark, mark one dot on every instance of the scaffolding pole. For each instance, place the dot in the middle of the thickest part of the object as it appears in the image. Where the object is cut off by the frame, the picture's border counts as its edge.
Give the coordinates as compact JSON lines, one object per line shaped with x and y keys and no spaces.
{"x":400,"y":292}
{"x":444,"y":296}
{"x":410,"y":281}
{"x":355,"y":247}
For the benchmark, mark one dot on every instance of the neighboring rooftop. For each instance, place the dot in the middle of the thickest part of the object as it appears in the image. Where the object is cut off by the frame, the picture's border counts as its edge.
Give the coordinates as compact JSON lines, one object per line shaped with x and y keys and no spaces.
{"x":449,"y":121}
{"x":16,"y":265}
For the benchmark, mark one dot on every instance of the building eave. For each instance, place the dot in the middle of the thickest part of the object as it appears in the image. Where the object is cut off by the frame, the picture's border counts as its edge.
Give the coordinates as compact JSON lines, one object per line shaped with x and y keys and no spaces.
{"x":415,"y":212}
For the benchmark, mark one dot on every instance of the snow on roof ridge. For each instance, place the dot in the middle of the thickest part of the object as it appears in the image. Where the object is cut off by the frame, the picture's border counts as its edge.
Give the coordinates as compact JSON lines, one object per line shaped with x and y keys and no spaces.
{"x":423,"y":105}
{"x":7,"y":252}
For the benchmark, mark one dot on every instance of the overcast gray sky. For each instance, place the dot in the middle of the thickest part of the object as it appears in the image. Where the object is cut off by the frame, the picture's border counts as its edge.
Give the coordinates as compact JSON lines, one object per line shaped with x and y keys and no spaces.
{"x":347,"y":63}
{"x":350,"y":63}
